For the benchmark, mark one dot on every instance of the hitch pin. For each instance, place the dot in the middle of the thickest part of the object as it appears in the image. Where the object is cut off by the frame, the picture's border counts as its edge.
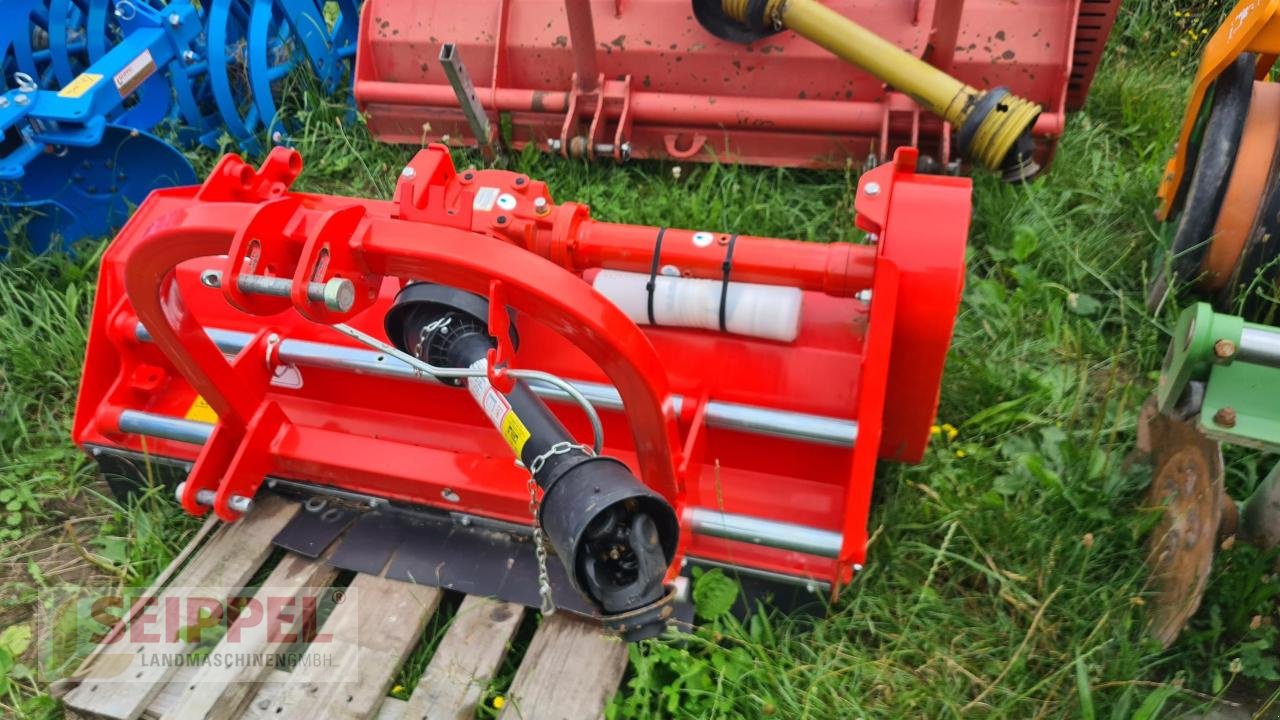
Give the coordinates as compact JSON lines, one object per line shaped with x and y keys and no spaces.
{"x":338,"y":294}
{"x":239,"y":503}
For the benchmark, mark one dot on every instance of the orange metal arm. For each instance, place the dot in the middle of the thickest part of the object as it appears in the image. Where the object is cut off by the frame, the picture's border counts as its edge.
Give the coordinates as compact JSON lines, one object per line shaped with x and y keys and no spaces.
{"x":1252,"y":26}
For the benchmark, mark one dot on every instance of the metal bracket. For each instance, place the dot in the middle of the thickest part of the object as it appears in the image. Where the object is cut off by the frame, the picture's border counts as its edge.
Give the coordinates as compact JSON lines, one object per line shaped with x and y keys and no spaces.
{"x":487,"y":135}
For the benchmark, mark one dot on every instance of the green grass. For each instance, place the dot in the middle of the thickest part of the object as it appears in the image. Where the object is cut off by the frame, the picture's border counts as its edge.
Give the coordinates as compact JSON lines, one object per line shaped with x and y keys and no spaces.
{"x":1005,"y":577}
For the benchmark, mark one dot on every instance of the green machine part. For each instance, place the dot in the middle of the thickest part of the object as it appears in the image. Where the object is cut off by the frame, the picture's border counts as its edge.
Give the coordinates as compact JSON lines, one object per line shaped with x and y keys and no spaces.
{"x":1239,"y":364}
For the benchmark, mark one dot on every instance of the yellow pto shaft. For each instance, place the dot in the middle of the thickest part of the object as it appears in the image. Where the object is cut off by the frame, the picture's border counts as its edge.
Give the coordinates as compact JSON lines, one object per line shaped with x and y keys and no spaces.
{"x":993,"y":126}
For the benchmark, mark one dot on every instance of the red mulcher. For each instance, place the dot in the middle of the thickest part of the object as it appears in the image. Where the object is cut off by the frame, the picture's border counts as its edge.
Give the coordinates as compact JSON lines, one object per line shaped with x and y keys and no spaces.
{"x":672,"y":396}
{"x":677,"y":80}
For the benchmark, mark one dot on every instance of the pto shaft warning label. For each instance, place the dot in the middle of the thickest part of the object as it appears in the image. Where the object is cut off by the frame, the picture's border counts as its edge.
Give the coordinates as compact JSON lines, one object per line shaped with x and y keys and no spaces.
{"x":497,"y":409}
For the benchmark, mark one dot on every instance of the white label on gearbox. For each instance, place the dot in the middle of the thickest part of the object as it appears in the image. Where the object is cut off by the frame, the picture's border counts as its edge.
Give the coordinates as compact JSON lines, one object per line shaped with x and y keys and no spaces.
{"x":703,"y":239}
{"x":485,"y":199}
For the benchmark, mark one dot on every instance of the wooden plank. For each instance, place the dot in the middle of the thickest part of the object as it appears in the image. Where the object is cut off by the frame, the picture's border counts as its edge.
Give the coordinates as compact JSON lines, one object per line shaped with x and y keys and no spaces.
{"x":369,"y":640}
{"x":466,"y":660}
{"x":219,"y":690}
{"x":123,"y":680}
{"x":62,"y":686}
{"x":268,"y":689}
{"x":571,"y":670}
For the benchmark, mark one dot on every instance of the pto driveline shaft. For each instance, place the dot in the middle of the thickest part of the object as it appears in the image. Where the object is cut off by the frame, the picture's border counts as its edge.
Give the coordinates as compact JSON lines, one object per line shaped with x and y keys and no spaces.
{"x":614,"y":535}
{"x":993,"y":126}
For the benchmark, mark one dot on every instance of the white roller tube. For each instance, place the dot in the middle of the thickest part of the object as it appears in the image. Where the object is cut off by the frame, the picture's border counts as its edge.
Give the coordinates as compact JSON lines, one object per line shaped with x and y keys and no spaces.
{"x":764,"y":311}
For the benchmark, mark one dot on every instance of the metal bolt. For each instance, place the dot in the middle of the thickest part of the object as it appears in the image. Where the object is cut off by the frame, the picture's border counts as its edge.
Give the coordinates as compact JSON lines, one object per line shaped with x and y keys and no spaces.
{"x":22,"y":99}
{"x":4,"y":102}
{"x":1224,"y":349}
{"x":554,"y":145}
{"x":626,"y":151}
{"x":175,"y":19}
{"x":1226,"y":417}
{"x":408,"y":173}
{"x":211,"y":278}
{"x":189,"y":56}
{"x":238,"y":503}
{"x":339,"y":294}
{"x":540,"y":206}
{"x":864,"y":295}
{"x":872,"y":189}
{"x":857,"y":567}
{"x":873,"y":238}
{"x":277,"y":137}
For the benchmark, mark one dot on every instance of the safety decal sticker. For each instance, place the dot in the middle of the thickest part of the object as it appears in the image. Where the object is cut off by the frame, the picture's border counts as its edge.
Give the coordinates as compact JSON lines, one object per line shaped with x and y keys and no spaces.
{"x":82,"y":84}
{"x":200,"y":411}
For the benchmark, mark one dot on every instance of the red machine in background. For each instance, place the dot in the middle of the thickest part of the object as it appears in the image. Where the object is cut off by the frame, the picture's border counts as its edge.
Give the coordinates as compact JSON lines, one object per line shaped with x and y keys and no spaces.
{"x":646,"y":79}
{"x":393,"y":358}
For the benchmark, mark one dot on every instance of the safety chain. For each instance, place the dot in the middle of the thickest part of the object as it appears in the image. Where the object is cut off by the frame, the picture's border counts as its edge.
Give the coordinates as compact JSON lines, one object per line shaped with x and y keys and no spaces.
{"x":560,"y":448}
{"x":426,"y":331}
{"x":539,"y":540}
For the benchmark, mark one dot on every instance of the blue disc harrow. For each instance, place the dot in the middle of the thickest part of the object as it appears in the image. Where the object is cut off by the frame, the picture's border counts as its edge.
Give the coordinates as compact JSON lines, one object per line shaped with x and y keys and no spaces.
{"x":85,"y":83}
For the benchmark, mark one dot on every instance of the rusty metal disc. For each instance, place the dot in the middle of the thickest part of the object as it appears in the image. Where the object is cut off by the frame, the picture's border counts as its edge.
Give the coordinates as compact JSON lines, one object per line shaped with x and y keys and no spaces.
{"x":1187,"y":485}
{"x":1246,"y":188}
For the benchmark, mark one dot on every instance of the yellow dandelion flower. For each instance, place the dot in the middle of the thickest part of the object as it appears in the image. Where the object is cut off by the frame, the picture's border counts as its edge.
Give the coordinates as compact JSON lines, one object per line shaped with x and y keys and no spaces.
{"x":935,"y":430}
{"x":397,"y":690}
{"x":962,"y":454}
{"x":950,"y":430}
{"x":499,"y":702}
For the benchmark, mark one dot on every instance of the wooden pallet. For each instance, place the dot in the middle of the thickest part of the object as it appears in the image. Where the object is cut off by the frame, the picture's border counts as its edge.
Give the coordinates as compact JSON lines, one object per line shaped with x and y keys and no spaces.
{"x":569,"y":670}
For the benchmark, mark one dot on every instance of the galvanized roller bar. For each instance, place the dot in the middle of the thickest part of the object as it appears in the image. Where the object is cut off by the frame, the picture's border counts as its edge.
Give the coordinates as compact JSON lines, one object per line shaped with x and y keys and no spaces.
{"x":162,"y":426}
{"x":704,"y":521}
{"x":769,"y":533}
{"x":816,"y":429}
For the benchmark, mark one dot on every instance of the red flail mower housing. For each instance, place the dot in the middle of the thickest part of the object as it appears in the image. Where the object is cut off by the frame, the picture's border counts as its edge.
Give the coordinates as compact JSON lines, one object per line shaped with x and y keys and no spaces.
{"x":674,"y":396}
{"x":643,"y":78}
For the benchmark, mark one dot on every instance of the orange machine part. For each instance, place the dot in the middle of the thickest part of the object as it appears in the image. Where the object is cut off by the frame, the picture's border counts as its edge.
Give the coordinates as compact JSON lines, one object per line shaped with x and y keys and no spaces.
{"x":1246,"y":188}
{"x":1252,"y":26}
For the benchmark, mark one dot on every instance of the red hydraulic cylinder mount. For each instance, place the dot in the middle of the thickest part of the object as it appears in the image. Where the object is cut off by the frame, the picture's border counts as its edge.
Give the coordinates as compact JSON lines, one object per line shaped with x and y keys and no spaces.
{"x":213,"y":343}
{"x":641,"y":78}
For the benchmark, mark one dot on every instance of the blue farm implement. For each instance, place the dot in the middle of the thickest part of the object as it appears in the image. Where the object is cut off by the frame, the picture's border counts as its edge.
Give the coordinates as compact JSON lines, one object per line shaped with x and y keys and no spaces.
{"x":88,"y":80}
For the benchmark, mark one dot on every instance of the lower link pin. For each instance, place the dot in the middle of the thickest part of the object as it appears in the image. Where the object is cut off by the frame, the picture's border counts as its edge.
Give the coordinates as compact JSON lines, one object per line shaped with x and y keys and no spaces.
{"x":238,"y":503}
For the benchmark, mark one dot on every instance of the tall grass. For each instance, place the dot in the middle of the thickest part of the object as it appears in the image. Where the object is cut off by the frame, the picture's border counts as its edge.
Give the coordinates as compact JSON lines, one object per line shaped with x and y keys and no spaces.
{"x":1005,"y":577}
